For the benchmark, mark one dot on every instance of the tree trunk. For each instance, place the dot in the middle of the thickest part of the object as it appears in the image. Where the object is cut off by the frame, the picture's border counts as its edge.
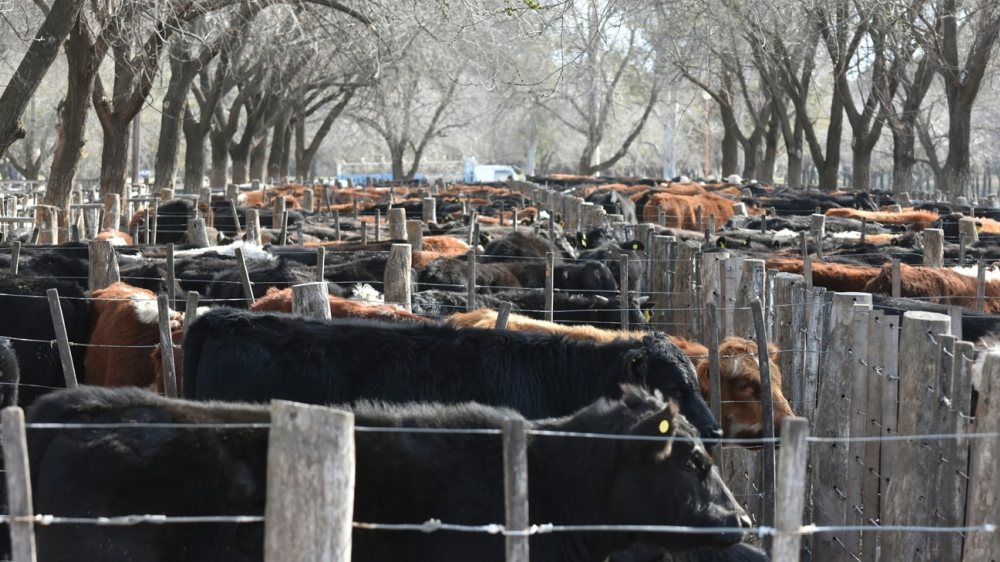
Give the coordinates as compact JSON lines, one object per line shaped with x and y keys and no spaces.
{"x":765,"y":171}
{"x":396,"y":152}
{"x":34,"y":66}
{"x":531,"y":153}
{"x":194,"y":158}
{"x":730,"y":142}
{"x":81,"y":69}
{"x":258,"y":158}
{"x":904,"y":158}
{"x":286,"y":154}
{"x":861,"y":174}
{"x":114,"y":157}
{"x":171,"y":122}
{"x":220,"y":158}
{"x":751,"y":154}
{"x":241,"y":168}
{"x":955,"y":179}
{"x":278,"y":148}
{"x":830,"y":171}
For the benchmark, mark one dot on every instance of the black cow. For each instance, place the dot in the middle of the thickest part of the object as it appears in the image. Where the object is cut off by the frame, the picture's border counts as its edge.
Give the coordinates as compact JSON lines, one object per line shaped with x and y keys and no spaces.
{"x":172,"y":220}
{"x":440,"y":304}
{"x":737,"y":553}
{"x":575,"y":309}
{"x":614,"y":203}
{"x":610,"y":255}
{"x":227,"y":288}
{"x":452,"y":273}
{"x":240,"y":356}
{"x":519,"y":244}
{"x":10,"y":375}
{"x":26,"y":316}
{"x":400,"y":478}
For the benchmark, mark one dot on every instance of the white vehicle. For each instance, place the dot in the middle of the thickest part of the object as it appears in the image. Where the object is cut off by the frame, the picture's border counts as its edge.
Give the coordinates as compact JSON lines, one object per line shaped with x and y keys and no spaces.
{"x":480,"y":173}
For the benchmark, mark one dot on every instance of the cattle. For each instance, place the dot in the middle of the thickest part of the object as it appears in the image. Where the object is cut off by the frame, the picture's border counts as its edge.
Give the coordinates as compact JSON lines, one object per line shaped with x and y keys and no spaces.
{"x":172,"y":219}
{"x":918,"y":220}
{"x":401,"y":477}
{"x":519,"y":244}
{"x":975,"y":326}
{"x":741,"y":552}
{"x":610,"y":254}
{"x":28,"y":323}
{"x":614,"y":203}
{"x":575,"y":309}
{"x":10,"y":374}
{"x":281,"y":301}
{"x":124,"y":327}
{"x":452,"y":273}
{"x":227,"y":287}
{"x":839,"y":277}
{"x":438,"y":304}
{"x":937,"y":285}
{"x":742,"y":410}
{"x":241,"y":356}
{"x":680,"y":211}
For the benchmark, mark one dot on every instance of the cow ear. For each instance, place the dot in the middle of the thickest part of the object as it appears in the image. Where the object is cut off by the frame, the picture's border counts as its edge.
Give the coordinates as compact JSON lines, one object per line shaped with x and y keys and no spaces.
{"x":772,"y":351}
{"x":663,"y":423}
{"x":637,"y":365}
{"x":633,"y":245}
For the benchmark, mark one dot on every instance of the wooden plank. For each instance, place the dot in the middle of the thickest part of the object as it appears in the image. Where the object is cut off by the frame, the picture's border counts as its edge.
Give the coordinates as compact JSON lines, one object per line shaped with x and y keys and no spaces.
{"x":502,"y":316}
{"x":711,"y":339}
{"x":311,"y":300}
{"x":984,"y":466}
{"x":470,"y":279}
{"x":166,"y":346}
{"x":103,"y":264}
{"x":320,"y":263}
{"x":515,"y":479}
{"x":872,"y":411}
{"x":767,"y":412}
{"x":830,"y":476}
{"x":933,"y":247}
{"x":397,"y":279}
{"x":18,"y":479}
{"x":252,"y":235}
{"x":896,"y":277}
{"x":789,"y":333}
{"x":549,"y":285}
{"x":909,"y":496}
{"x":791,"y":493}
{"x":310,"y":484}
{"x":955,"y":454}
{"x":62,"y":340}
{"x":245,"y":276}
{"x":751,"y":288}
{"x":623,"y":284}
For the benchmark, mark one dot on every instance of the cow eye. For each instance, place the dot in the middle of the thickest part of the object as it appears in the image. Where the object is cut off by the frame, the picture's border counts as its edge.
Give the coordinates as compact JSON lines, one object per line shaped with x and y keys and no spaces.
{"x":744,"y":386}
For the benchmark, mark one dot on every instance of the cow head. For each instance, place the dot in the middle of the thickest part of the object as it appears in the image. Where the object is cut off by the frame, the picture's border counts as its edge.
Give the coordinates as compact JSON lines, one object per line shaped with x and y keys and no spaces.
{"x":742,"y":410}
{"x":670,"y":481}
{"x":662,"y":366}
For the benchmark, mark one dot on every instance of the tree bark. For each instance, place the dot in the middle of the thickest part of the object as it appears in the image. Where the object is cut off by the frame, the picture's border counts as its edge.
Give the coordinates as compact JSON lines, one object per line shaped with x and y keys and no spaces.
{"x":182,"y":75}
{"x":44,"y":49}
{"x":730,"y":142}
{"x":956,"y":164}
{"x":904,"y":158}
{"x":861,"y":172}
{"x":396,"y":152}
{"x":219,"y":142}
{"x":194,"y":154}
{"x":765,"y":171}
{"x":114,"y":157}
{"x":278,"y":147}
{"x":81,"y":70}
{"x":258,"y":158}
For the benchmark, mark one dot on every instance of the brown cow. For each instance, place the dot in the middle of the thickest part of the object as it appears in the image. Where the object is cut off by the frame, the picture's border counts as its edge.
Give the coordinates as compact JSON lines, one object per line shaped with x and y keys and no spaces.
{"x":839,"y":277}
{"x":680,"y":211}
{"x":281,"y":301}
{"x":918,"y":219}
{"x":741,"y":407}
{"x":125,"y":319}
{"x":936,"y":285}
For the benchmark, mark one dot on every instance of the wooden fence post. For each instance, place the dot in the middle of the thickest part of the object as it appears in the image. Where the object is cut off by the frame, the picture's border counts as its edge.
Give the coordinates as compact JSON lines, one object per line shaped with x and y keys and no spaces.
{"x":320,"y":263}
{"x":190,"y":309}
{"x":311,"y":300}
{"x":752,"y":284}
{"x":470,"y":280}
{"x":834,"y":475}
{"x":62,"y":340}
{"x":910,"y":497}
{"x":310,"y":484}
{"x":896,"y":276}
{"x":398,"y":270}
{"x":15,"y":257}
{"x":549,"y":285}
{"x":253,"y":227}
{"x":15,"y":452}
{"x":166,"y":346}
{"x":429,"y":210}
{"x":515,"y":479}
{"x":397,"y":224}
{"x":245,"y":277}
{"x":502,"y":316}
{"x":933,"y":247}
{"x":984,"y":466}
{"x":415,"y":234}
{"x":277,"y":210}
{"x":817,"y":228}
{"x":711,"y":339}
{"x":767,"y":412}
{"x":980,"y":285}
{"x":623,"y":289}
{"x":791,"y":492}
{"x":103,"y":264}
{"x":197,"y":233}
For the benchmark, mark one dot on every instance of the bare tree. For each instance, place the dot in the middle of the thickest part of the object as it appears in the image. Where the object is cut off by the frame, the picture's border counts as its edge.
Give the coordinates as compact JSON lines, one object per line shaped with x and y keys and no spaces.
{"x":59,"y":19}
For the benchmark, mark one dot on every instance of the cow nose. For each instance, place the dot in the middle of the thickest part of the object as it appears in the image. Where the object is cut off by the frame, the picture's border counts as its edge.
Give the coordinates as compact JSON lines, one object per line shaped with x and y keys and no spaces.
{"x":745,"y":522}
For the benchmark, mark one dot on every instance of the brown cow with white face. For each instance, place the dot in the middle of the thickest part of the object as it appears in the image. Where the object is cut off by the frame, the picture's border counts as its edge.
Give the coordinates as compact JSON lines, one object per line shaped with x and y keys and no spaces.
{"x":742,"y":410}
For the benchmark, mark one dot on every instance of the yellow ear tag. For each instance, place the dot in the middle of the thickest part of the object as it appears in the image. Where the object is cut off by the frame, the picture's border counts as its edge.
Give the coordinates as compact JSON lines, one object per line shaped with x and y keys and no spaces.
{"x":647,"y":315}
{"x":635,"y":246}
{"x":664,"y":426}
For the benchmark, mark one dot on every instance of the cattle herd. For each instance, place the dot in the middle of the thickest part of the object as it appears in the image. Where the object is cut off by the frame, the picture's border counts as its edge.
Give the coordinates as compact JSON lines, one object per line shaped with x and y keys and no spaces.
{"x":595,"y":353}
